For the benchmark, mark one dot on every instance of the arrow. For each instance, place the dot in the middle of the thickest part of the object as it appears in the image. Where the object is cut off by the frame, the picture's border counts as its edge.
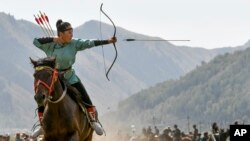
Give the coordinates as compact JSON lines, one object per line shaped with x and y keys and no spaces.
{"x":38,"y":22}
{"x":41,"y":22}
{"x":131,"y":40}
{"x":47,"y":19}
{"x":46,"y":23}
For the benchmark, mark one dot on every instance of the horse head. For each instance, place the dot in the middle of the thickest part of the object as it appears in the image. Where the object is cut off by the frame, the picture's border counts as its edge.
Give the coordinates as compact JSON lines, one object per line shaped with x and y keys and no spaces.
{"x":45,"y":77}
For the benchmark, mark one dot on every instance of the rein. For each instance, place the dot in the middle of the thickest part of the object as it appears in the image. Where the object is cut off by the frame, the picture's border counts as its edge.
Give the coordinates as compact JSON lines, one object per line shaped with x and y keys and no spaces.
{"x":61,"y":97}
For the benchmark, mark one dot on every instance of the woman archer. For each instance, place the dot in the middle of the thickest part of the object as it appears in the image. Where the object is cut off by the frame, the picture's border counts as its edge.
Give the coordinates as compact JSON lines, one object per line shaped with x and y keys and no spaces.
{"x":64,"y":48}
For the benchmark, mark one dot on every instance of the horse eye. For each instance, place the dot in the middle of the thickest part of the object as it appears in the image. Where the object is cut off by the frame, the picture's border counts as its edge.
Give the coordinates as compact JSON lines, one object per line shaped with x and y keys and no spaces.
{"x":45,"y":91}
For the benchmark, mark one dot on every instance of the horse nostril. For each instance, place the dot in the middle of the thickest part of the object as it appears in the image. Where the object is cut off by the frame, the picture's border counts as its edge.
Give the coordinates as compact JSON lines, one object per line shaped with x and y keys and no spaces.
{"x":43,"y":96}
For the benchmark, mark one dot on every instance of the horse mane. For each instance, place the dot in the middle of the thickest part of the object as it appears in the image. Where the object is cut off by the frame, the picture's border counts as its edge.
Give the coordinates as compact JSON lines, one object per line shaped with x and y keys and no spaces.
{"x":47,"y":61}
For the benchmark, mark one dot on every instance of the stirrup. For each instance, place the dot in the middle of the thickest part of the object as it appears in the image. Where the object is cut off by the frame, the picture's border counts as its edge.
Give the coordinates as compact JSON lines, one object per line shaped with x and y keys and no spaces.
{"x":94,"y":121}
{"x":97,"y":127}
{"x":37,"y":132}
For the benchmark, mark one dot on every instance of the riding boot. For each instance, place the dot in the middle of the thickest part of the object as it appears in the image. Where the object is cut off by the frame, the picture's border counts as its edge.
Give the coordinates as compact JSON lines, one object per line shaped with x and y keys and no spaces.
{"x":91,"y":109}
{"x":39,"y":131}
{"x":94,"y":121}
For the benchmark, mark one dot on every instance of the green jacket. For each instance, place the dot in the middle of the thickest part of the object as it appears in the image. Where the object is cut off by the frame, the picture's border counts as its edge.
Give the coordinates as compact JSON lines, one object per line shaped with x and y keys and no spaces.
{"x":65,"y":55}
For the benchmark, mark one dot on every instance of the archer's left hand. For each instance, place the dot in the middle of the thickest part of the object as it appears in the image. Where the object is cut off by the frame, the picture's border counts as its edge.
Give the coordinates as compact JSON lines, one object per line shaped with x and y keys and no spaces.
{"x":112,"y":40}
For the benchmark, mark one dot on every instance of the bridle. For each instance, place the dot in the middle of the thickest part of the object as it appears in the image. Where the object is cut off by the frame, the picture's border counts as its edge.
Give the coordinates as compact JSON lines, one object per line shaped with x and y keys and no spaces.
{"x":50,"y":86}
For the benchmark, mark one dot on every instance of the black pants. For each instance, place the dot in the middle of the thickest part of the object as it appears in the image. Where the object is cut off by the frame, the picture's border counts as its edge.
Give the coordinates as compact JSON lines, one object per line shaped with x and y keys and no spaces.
{"x":79,"y":86}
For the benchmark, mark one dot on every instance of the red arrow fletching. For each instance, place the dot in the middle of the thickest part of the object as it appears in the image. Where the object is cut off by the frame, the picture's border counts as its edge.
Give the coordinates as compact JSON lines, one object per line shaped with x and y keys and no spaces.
{"x":37,"y":20}
{"x":43,"y":17}
{"x":40,"y":19}
{"x":46,"y":17}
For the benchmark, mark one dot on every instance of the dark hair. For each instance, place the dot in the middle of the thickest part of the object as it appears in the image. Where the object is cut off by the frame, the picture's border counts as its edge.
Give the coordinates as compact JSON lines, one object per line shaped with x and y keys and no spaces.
{"x":62,"y":26}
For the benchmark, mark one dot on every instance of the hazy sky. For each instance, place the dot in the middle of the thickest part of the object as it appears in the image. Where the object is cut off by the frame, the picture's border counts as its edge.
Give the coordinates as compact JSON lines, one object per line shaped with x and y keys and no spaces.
{"x":207,"y":23}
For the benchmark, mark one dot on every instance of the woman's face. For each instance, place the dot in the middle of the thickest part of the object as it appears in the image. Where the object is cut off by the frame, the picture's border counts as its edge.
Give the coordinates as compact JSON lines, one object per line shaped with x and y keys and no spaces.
{"x":67,"y":35}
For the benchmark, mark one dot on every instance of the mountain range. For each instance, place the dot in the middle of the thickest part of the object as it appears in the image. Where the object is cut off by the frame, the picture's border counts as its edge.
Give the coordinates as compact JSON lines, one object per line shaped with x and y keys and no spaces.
{"x":139,"y":65}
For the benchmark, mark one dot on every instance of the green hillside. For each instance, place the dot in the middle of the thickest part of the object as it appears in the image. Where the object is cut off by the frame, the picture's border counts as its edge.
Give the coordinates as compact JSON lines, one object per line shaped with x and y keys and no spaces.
{"x":215,"y":91}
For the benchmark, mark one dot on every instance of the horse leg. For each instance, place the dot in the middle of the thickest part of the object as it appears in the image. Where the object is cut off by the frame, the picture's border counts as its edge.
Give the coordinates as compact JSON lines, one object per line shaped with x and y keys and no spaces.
{"x":89,"y":138}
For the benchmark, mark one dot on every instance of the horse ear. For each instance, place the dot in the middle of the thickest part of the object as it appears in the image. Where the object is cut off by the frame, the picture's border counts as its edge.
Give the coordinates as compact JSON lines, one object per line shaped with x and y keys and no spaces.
{"x":33,"y":62}
{"x":54,"y":61}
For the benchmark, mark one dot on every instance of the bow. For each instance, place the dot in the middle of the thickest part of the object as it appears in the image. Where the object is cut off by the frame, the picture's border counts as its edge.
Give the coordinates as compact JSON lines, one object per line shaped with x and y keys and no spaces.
{"x":116,"y":53}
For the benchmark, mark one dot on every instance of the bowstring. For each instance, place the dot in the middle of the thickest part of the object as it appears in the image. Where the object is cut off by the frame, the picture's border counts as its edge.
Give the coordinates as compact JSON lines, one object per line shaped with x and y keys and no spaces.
{"x":103,"y":55}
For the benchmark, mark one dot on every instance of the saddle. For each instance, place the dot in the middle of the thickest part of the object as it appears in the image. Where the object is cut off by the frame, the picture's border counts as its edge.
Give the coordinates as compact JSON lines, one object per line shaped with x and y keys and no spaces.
{"x":90,"y":113}
{"x":75,"y":95}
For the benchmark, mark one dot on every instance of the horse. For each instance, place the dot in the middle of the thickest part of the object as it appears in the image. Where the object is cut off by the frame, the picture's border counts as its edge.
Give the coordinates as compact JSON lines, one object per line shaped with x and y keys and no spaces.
{"x":64,"y":119}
